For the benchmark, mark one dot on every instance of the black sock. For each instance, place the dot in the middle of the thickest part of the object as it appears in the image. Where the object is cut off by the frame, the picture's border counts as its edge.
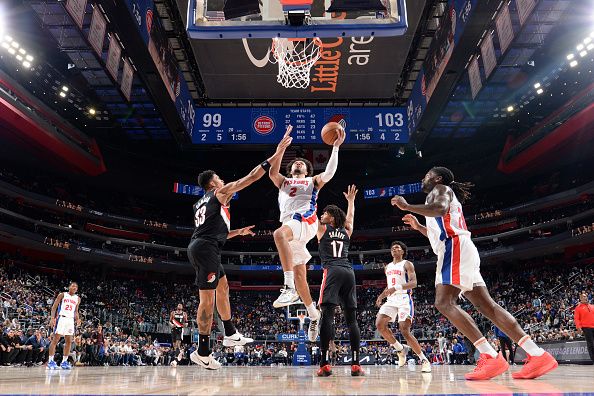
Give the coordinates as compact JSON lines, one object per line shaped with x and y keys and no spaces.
{"x":229,"y":328}
{"x":204,"y":345}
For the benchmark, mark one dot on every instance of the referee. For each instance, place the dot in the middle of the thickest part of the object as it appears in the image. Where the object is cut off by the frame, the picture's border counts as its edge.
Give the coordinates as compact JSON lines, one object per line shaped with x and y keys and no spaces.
{"x":583,"y":317}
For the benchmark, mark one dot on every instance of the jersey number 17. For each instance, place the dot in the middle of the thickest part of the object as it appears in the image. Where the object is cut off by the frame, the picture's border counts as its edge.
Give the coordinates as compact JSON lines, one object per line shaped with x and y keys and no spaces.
{"x":337,"y":248}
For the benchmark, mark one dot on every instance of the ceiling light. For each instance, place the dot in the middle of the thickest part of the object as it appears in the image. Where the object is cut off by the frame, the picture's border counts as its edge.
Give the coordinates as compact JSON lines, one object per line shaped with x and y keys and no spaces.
{"x":573,"y":63}
{"x":19,"y":58}
{"x":29,"y":58}
{"x":12,"y":51}
{"x":62,"y":94}
{"x":22,"y":51}
{"x":15,"y":44}
{"x":539,"y":91}
{"x":583,"y":53}
{"x":510,"y":108}
{"x":65,"y":88}
{"x":570,"y":57}
{"x":587,"y":40}
{"x":92,"y":111}
{"x":537,"y":85}
{"x":590,"y":46}
{"x":6,"y":45}
{"x":580,"y":47}
{"x":9,"y":39}
{"x":27,"y":64}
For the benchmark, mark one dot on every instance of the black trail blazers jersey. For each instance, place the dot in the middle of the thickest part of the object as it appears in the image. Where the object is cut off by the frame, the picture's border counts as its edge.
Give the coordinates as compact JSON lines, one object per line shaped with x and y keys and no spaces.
{"x":211,"y":219}
{"x":334,"y":247}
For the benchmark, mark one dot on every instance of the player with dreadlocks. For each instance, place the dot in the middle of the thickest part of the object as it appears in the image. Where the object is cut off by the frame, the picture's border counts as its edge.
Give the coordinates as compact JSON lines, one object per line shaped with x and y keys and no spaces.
{"x":458,"y":271}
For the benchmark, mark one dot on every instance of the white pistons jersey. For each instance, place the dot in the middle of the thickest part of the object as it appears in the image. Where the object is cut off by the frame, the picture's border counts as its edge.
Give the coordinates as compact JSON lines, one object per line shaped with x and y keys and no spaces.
{"x":396,"y":275}
{"x":297,"y":199}
{"x":440,"y":229}
{"x":68,"y":305}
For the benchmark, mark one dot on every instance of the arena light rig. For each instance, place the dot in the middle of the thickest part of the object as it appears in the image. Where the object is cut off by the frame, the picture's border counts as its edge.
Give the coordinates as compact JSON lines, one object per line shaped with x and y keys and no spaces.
{"x":15,"y":49}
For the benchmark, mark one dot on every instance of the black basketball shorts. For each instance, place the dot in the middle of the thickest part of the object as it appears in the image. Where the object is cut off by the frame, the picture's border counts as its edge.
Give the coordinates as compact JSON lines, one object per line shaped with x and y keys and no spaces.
{"x":205,"y":257}
{"x":176,"y":333}
{"x":338,"y":287}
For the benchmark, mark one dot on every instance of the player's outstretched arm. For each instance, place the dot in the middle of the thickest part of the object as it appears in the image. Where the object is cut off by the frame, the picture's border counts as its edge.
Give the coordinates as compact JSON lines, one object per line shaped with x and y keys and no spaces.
{"x":274,"y":172}
{"x":225,"y":193}
{"x":332,"y":164}
{"x":350,"y":195}
{"x":413,"y":222}
{"x":241,"y":231}
{"x":438,"y":203}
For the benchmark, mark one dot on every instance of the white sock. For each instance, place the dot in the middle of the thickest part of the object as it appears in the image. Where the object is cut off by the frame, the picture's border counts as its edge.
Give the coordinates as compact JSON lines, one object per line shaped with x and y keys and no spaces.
{"x":422,"y":357}
{"x":530,"y":346}
{"x":312,"y":312}
{"x":64,"y":359}
{"x":398,"y":346}
{"x":51,"y":358}
{"x":484,"y":347}
{"x":289,"y":279}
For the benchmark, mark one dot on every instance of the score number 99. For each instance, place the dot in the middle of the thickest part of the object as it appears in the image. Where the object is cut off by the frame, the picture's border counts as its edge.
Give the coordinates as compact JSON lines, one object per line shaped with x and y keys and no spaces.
{"x":214,"y":120}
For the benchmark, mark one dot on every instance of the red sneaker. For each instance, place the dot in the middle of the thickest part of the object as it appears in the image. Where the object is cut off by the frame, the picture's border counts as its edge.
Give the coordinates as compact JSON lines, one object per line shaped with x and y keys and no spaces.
{"x":536,"y":366}
{"x":488,"y":367}
{"x":357,"y":371}
{"x":325,"y":371}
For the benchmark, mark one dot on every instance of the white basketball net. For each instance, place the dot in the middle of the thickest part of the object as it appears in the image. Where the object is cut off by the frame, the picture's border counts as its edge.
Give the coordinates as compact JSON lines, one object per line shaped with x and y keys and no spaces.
{"x":295,"y":58}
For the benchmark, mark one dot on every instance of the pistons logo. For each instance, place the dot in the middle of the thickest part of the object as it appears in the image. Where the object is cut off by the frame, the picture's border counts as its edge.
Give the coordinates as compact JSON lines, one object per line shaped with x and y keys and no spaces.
{"x":211,"y":277}
{"x":264,"y":125}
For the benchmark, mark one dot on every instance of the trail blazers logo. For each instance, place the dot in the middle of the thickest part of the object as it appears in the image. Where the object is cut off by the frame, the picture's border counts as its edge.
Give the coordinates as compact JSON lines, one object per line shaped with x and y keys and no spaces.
{"x":211,"y":277}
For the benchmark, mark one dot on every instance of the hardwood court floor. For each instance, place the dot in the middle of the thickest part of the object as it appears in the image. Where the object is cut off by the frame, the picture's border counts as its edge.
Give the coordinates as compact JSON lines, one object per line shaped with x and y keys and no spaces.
{"x":283,"y":381}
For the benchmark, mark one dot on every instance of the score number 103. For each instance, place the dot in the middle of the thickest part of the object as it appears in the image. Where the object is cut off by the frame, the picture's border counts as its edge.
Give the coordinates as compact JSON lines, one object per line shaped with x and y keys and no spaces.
{"x":389,"y":120}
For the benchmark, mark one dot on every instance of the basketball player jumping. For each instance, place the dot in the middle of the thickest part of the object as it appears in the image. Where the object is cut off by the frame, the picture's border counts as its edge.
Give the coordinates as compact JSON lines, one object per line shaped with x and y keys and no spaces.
{"x":458,"y":271}
{"x":64,"y":314}
{"x":338,"y":282}
{"x":212,"y":221}
{"x":401,"y":279}
{"x":178,"y":319}
{"x":297,"y":202}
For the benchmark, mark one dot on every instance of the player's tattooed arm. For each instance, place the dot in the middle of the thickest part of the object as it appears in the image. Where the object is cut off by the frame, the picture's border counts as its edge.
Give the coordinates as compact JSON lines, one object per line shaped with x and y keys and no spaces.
{"x":276,"y":159}
{"x":438,"y":203}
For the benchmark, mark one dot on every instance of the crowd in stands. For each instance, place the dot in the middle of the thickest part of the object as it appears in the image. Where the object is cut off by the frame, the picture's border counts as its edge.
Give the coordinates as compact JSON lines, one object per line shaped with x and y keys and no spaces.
{"x":541,"y":293}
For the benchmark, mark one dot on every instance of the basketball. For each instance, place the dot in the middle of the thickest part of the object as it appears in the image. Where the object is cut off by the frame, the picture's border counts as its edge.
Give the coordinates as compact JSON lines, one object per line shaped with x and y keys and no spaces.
{"x":330,"y":132}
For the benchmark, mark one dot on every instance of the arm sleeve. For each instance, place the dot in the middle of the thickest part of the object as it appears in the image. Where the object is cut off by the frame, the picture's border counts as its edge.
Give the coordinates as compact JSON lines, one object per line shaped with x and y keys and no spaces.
{"x":331,"y":166}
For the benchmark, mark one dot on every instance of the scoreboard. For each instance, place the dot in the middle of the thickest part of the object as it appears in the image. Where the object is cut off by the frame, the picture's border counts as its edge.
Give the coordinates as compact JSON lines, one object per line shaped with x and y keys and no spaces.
{"x":266,"y":125}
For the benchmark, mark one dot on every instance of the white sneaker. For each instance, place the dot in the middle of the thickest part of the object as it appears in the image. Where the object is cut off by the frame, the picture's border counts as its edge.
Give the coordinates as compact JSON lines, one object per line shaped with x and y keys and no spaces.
{"x":208,"y":362}
{"x":425,"y":366}
{"x":287,"y":297}
{"x":314,"y":328}
{"x":174,"y":363}
{"x":236,"y":339}
{"x":402,"y":355}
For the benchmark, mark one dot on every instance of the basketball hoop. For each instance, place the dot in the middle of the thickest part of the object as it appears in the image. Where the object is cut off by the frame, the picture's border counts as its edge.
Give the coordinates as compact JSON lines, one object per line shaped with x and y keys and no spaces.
{"x":301,"y":315}
{"x":295,"y":58}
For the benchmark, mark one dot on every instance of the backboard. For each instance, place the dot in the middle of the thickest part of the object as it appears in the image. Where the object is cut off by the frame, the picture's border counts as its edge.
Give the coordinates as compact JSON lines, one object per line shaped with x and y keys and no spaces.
{"x":295,"y":19}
